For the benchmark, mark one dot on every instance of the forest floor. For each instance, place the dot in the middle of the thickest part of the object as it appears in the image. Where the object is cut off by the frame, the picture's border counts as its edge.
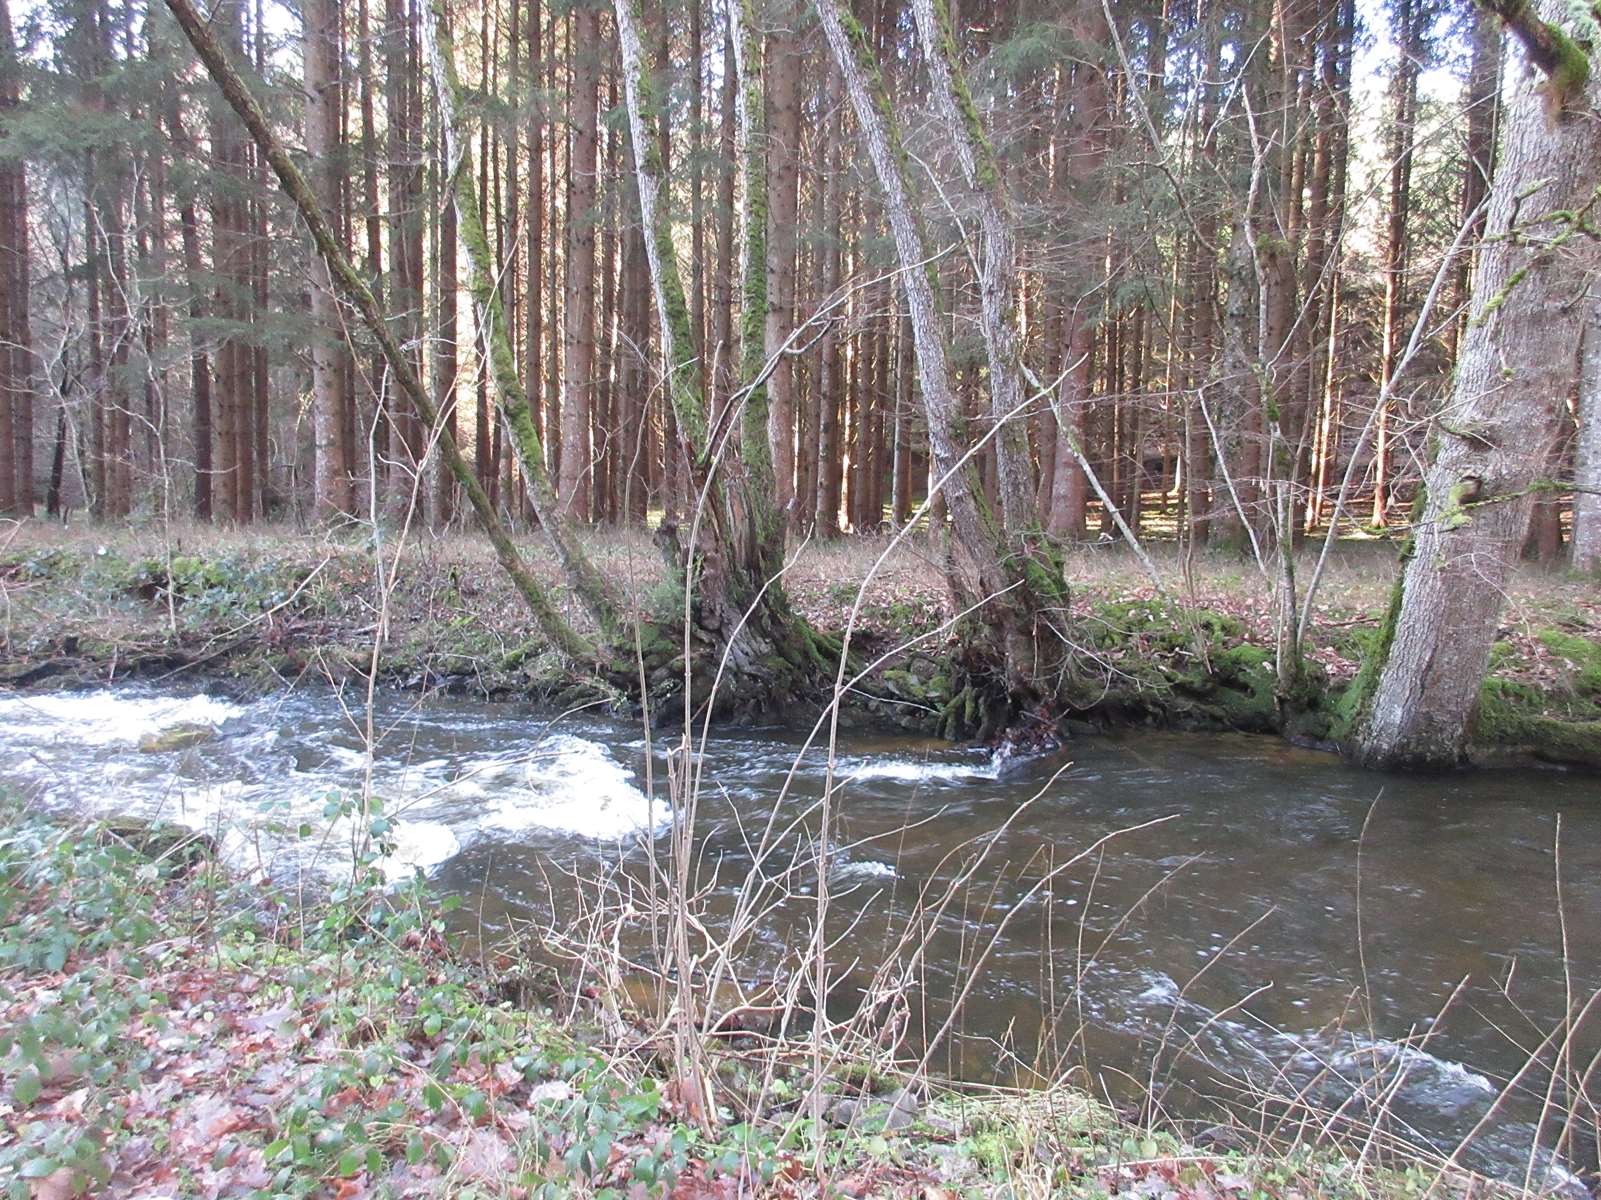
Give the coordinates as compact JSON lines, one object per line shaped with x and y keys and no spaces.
{"x":166,"y":1030}
{"x":268,"y":606}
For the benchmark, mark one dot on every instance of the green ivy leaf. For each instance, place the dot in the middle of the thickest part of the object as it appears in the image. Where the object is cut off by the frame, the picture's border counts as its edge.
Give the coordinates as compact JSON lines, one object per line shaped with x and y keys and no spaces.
{"x":26,"y":1090}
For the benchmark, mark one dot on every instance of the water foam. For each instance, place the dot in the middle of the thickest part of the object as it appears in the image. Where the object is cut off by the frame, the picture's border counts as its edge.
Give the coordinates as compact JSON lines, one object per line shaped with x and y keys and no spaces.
{"x":105,"y":718}
{"x":908,"y":771}
{"x":571,"y":785}
{"x":861,"y":870}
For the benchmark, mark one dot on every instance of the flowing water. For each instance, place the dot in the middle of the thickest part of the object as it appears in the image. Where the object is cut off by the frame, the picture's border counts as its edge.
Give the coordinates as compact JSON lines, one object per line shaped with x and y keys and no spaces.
{"x":1236,"y":912}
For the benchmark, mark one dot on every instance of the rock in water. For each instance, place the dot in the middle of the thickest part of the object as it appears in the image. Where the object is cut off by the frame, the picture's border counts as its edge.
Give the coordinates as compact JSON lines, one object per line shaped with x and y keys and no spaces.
{"x":178,"y":737}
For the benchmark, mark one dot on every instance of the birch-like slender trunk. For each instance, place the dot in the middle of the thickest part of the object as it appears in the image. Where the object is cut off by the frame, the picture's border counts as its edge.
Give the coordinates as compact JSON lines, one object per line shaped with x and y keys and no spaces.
{"x":997,"y":270}
{"x":729,"y":566}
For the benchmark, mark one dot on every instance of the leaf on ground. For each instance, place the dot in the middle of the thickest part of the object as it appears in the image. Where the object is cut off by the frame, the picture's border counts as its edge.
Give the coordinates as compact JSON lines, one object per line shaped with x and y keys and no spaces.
{"x":486,"y":1157}
{"x":58,"y":1185}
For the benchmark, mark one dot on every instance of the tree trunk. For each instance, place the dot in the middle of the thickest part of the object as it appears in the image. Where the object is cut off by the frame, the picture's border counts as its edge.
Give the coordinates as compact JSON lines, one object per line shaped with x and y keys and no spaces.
{"x":1483,"y":103}
{"x":1403,"y":114}
{"x":445,"y":359}
{"x":782,"y":138}
{"x":404,"y":301}
{"x":997,"y":277}
{"x":14,"y":393}
{"x":733,"y":592}
{"x":720,"y":345}
{"x":830,"y":356}
{"x":534,"y":288}
{"x":1516,"y":368}
{"x":510,"y":399}
{"x":575,"y":477}
{"x":1017,"y":598}
{"x":1586,"y":548}
{"x":331,"y":467}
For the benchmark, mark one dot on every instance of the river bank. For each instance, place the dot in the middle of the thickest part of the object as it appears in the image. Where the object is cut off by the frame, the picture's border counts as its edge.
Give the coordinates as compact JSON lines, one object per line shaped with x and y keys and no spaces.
{"x":168,"y":1031}
{"x":267,"y":608}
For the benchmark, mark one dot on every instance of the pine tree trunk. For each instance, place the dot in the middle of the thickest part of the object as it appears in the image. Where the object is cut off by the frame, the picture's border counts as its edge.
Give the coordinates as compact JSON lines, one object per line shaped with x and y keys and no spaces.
{"x":194,"y":278}
{"x":720,"y":343}
{"x":1069,"y":487}
{"x":13,"y":282}
{"x":331,"y":466}
{"x":534,"y":288}
{"x":445,"y":359}
{"x":1517,"y":366}
{"x":404,"y":304}
{"x":831,"y":363}
{"x":1403,"y":115}
{"x":578,"y":364}
{"x":23,"y":369}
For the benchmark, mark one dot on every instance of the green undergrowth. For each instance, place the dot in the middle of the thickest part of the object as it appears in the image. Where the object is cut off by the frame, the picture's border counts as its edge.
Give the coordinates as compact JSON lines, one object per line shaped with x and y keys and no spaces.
{"x":166,"y":1029}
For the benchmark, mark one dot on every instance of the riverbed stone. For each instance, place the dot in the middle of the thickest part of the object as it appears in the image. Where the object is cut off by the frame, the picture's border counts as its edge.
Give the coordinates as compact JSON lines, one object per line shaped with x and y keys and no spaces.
{"x":178,"y":737}
{"x":890,"y":1113}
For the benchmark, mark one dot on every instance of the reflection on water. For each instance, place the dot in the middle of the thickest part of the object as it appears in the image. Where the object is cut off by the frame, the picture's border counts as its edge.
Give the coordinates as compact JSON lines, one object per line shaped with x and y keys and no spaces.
{"x":1178,"y":913}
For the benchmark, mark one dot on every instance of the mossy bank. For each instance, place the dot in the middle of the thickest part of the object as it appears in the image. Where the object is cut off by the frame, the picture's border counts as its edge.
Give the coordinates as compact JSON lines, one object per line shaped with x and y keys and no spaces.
{"x":270,"y":611}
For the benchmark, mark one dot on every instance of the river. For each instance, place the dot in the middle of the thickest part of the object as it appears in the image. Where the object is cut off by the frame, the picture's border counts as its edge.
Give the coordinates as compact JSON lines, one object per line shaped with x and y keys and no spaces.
{"x":1178,"y":915}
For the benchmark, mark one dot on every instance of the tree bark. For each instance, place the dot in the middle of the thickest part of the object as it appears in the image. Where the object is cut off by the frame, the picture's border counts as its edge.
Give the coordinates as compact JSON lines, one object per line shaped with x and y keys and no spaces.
{"x":830,"y":357}
{"x":16,"y":459}
{"x":997,"y":271}
{"x":510,"y":399}
{"x":782,"y":141}
{"x":1586,"y":549}
{"x":1017,"y":597}
{"x":1403,"y":115}
{"x":729,"y":570}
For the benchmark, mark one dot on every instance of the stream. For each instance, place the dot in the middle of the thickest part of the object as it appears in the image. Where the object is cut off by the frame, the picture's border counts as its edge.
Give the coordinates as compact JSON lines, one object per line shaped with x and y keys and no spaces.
{"x":1248,"y":917}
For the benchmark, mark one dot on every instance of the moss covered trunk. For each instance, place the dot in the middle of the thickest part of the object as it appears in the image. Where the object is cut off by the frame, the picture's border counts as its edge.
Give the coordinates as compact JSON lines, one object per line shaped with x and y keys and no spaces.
{"x":738,"y":644}
{"x":1517,"y":367}
{"x":483,"y":281}
{"x":344,"y":277}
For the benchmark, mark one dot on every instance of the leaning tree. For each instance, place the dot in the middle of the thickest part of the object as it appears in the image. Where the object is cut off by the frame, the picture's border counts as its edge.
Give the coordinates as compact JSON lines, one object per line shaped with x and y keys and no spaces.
{"x":1516,"y":370}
